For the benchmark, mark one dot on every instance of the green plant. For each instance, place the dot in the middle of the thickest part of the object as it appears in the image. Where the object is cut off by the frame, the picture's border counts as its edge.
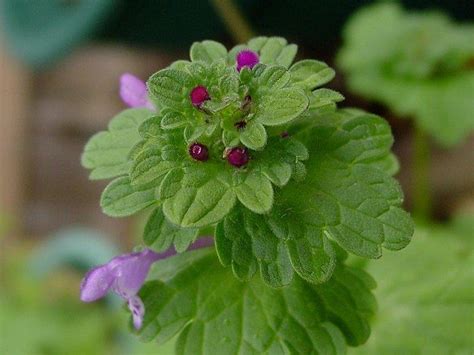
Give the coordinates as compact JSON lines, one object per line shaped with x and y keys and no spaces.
{"x":246,"y":145}
{"x":421,"y":66}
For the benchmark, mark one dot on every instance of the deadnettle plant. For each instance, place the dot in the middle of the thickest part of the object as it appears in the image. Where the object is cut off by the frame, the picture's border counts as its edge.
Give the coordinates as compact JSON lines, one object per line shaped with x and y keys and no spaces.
{"x":246,"y":146}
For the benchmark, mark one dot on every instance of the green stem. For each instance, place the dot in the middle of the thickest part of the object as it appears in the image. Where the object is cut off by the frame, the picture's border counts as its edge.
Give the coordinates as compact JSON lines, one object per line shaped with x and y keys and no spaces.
{"x":421,"y":175}
{"x":236,"y":23}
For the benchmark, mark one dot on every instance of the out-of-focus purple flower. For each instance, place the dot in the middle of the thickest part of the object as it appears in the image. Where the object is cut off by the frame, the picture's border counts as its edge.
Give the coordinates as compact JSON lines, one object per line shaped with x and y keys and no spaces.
{"x":125,"y":275}
{"x":133,"y":91}
{"x":246,"y":58}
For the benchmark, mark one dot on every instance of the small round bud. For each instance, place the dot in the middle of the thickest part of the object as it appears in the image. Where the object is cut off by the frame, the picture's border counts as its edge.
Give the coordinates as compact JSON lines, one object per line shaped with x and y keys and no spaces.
{"x":238,"y":157}
{"x":199,"y":152}
{"x":246,"y":58}
{"x":199,"y":95}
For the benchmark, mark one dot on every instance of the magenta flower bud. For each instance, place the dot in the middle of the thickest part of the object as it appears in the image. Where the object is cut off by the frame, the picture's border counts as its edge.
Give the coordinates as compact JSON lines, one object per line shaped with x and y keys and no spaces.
{"x":199,"y":152}
{"x":199,"y":95}
{"x":238,"y":157}
{"x":247,"y":58}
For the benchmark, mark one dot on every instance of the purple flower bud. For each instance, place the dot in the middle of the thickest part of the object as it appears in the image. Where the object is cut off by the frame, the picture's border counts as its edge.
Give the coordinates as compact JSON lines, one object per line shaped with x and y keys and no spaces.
{"x":247,"y":58}
{"x":238,"y":157}
{"x":199,"y":152}
{"x":199,"y":95}
{"x":133,"y":92}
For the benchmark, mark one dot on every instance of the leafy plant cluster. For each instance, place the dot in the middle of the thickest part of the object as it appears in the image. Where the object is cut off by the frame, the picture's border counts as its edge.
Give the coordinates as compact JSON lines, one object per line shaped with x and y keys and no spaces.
{"x":288,"y":184}
{"x":419,"y":64}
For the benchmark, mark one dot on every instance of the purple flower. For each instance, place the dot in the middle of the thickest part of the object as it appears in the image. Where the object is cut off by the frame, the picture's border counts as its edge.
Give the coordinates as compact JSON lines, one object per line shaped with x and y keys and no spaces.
{"x":246,"y":58}
{"x":133,"y":92}
{"x":199,"y":95}
{"x":125,"y":275}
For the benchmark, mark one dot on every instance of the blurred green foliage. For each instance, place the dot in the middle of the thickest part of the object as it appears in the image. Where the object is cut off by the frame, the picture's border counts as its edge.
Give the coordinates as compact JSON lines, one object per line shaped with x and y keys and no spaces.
{"x":421,"y":65}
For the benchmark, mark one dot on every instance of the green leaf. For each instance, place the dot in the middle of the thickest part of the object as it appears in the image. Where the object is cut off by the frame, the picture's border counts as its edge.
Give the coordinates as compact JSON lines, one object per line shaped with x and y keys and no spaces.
{"x":273,"y":50}
{"x":255,"y":192}
{"x":354,"y":201}
{"x":196,"y":198}
{"x":428,"y":302}
{"x":309,"y":74}
{"x":281,"y":106}
{"x":170,"y":88}
{"x":121,"y":199}
{"x":278,"y":242}
{"x":207,"y":51}
{"x":210,"y":310}
{"x":278,"y":172}
{"x":254,"y":135}
{"x":149,"y":166}
{"x":172,"y":120}
{"x":106,"y":153}
{"x":273,"y":77}
{"x":159,"y":233}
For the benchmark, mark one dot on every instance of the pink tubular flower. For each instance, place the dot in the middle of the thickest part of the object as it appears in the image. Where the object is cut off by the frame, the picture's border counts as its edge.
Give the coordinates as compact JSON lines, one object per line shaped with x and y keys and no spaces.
{"x":246,"y":58}
{"x":133,"y":92}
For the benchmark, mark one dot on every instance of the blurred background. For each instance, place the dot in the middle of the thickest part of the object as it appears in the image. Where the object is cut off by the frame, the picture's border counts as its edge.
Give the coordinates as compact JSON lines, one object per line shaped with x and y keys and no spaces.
{"x":60,"y":61}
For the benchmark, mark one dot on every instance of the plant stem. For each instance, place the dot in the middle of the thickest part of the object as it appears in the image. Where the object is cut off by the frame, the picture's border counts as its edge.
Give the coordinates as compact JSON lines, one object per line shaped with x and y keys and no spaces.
{"x":421,"y":175}
{"x":236,"y":23}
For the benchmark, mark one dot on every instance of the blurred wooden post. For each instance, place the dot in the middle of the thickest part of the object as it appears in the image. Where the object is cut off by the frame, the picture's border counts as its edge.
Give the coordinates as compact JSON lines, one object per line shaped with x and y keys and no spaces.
{"x":14,"y":101}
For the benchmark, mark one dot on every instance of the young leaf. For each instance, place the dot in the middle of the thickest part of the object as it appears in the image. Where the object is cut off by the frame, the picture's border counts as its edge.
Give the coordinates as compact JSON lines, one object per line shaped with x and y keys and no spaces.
{"x":431,"y":307}
{"x":170,"y":88}
{"x":254,"y":136}
{"x":149,"y":166}
{"x":121,"y":199}
{"x":309,"y":74}
{"x":255,"y":192}
{"x":159,"y":233}
{"x":210,"y":310}
{"x":207,"y":51}
{"x":281,"y":106}
{"x":274,"y":50}
{"x":106,"y":153}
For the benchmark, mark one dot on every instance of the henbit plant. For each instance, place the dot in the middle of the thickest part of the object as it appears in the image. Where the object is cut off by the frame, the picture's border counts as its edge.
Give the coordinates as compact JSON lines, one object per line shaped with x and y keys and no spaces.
{"x":246,"y":146}
{"x":421,"y":65}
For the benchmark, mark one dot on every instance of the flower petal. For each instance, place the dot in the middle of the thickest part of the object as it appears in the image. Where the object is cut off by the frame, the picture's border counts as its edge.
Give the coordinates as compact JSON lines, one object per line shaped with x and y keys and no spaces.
{"x":131,"y":271}
{"x":96,"y":283}
{"x":137,"y":308}
{"x":133,"y":91}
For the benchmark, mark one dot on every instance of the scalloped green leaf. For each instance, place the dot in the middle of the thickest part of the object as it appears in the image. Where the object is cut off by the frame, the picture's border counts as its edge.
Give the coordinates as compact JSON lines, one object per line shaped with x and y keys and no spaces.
{"x":210,"y":310}
{"x":253,"y":136}
{"x":170,"y":88}
{"x":273,"y":77}
{"x":273,"y":50}
{"x":281,"y":106}
{"x":150,"y":167}
{"x":197,"y":198}
{"x":159,"y":234}
{"x":309,"y":74}
{"x":106,"y":154}
{"x":255,"y":192}
{"x":121,"y":199}
{"x":354,"y":201}
{"x":207,"y":51}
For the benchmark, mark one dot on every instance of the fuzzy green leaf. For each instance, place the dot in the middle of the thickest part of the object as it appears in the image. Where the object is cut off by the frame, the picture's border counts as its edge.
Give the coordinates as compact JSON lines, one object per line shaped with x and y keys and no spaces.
{"x":353,"y":200}
{"x":170,"y":88}
{"x":197,"y":198}
{"x":273,"y":77}
{"x":281,"y":106}
{"x":212,"y":312}
{"x":255,"y":193}
{"x":149,"y":166}
{"x":273,"y":50}
{"x":172,"y":120}
{"x":254,"y":136}
{"x":106,"y":153}
{"x":432,"y":306}
{"x":309,"y":74}
{"x":121,"y":199}
{"x":160,"y":234}
{"x":207,"y":51}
